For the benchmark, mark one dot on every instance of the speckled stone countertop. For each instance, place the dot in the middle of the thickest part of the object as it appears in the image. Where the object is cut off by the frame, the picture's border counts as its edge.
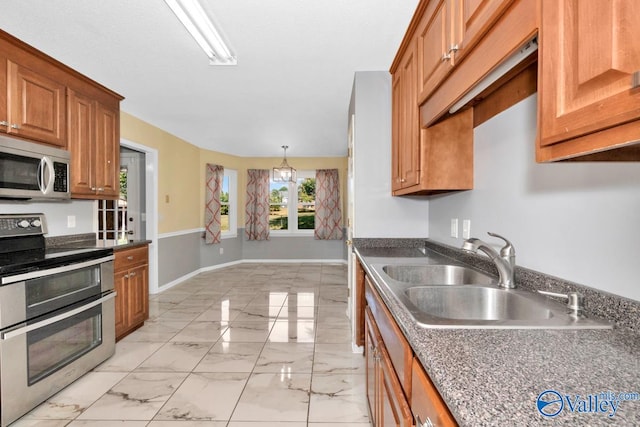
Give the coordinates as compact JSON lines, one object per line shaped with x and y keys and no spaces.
{"x":88,"y":240}
{"x":493,"y":377}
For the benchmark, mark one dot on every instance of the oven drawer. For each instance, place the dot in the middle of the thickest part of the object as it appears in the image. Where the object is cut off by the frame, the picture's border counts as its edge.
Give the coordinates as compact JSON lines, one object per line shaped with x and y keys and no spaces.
{"x":129,"y":258}
{"x":41,"y":357}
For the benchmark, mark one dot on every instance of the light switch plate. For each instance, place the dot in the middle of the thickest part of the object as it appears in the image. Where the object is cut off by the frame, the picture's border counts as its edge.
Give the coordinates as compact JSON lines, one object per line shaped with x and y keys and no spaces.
{"x":71,"y":221}
{"x":454,"y":227}
{"x":466,"y":229}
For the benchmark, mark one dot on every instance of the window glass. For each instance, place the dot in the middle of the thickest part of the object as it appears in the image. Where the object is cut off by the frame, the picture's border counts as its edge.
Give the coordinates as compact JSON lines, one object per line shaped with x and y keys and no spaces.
{"x":279,"y":206}
{"x":224,"y":204}
{"x":306,"y":203}
{"x":292,"y":204}
{"x":229,"y":203}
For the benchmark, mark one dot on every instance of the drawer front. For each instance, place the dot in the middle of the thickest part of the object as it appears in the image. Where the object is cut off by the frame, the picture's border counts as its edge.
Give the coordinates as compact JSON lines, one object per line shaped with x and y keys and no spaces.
{"x":129,"y":258}
{"x":397,"y":346}
{"x":426,"y":403}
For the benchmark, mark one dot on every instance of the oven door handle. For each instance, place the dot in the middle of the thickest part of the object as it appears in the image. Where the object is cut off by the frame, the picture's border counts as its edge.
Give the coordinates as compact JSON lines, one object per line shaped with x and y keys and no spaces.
{"x":24,"y":329}
{"x":51,"y":271}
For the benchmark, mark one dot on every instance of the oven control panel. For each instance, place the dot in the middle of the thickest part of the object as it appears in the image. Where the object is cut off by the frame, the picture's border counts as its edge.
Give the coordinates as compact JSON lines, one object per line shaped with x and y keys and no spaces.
{"x":12,"y":225}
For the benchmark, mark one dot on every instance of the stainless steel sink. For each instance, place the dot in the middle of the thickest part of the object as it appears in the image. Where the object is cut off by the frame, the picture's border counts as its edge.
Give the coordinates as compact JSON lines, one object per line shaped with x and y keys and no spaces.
{"x":475,"y":303}
{"x":455,"y":296}
{"x":437,"y":275}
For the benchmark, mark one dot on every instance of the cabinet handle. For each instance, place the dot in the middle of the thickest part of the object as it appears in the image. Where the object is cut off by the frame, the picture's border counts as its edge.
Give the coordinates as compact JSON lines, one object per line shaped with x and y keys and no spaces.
{"x":426,"y":423}
{"x":15,"y":126}
{"x":130,"y":257}
{"x":132,"y":274}
{"x":403,"y":180}
{"x":453,"y":48}
{"x":100,"y":189}
{"x":446,"y":57}
{"x":93,"y":188}
{"x":126,"y":276}
{"x":635,"y":80}
{"x":4,"y":123}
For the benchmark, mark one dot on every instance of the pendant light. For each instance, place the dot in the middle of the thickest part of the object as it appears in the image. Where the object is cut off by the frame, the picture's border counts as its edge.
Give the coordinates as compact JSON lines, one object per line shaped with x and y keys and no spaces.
{"x":284,"y":172}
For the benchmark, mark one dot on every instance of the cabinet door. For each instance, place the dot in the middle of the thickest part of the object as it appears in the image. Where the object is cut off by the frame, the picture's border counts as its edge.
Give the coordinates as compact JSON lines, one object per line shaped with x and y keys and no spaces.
{"x":138,"y":295}
{"x":472,"y":19}
{"x":589,"y":51}
{"x":393,"y":407}
{"x":370,"y":343}
{"x":4,"y":112}
{"x":121,"y":287}
{"x":36,"y":106}
{"x":434,"y":45}
{"x":81,"y":124}
{"x":405,"y":123}
{"x":426,"y":402}
{"x":107,"y":160}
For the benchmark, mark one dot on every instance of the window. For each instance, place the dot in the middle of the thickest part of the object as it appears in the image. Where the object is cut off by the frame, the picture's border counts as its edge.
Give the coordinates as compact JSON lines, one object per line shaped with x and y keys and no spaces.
{"x":228,"y":204}
{"x":112,"y":215}
{"x":292,"y":205}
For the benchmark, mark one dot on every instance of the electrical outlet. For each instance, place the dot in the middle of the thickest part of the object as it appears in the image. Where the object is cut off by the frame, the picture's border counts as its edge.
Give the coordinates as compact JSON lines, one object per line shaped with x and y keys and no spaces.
{"x":221,"y":251}
{"x":454,"y":227}
{"x":466,"y":229}
{"x":71,"y":221}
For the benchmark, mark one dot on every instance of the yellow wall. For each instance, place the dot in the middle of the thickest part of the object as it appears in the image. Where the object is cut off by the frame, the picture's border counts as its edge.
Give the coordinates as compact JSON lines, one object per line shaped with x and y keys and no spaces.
{"x":181,"y":173}
{"x":179,"y":184}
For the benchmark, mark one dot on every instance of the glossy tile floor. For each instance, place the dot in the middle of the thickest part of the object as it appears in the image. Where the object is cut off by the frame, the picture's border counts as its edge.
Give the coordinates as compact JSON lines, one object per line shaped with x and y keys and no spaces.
{"x":253,"y":345}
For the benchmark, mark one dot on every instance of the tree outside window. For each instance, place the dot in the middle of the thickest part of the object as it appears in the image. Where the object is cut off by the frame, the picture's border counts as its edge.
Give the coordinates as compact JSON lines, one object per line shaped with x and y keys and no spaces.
{"x":293,"y":213}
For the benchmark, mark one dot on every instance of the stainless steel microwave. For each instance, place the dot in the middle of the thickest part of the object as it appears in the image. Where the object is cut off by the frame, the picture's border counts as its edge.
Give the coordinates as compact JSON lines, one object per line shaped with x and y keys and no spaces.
{"x":33,"y":171}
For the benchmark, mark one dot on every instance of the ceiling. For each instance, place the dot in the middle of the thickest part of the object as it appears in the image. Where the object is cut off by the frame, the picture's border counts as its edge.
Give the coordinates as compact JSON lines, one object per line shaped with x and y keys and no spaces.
{"x":292,"y":84}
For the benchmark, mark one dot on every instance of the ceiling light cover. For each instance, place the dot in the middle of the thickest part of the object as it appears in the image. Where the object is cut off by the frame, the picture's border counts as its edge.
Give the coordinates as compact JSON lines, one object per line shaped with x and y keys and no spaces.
{"x":201,"y":28}
{"x":284,"y":172}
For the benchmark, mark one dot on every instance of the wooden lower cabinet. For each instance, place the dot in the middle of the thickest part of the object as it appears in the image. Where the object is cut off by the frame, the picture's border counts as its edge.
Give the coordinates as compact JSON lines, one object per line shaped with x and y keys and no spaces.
{"x":399,"y":391}
{"x":132,"y":287}
{"x":426,"y":404}
{"x":387,"y":402}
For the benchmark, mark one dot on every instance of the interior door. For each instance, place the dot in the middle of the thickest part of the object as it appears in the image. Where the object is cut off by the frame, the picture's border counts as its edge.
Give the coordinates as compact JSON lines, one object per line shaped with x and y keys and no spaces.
{"x":131,"y":163}
{"x":351,"y":257}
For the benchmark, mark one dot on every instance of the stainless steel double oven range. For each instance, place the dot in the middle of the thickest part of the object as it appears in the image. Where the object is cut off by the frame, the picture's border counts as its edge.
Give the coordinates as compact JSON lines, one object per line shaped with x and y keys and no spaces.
{"x":56,"y":314}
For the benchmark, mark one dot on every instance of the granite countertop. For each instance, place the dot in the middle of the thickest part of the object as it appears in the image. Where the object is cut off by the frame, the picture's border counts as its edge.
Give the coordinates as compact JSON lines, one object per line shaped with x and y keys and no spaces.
{"x":88,"y":240}
{"x":118,"y":246}
{"x":491,"y":377}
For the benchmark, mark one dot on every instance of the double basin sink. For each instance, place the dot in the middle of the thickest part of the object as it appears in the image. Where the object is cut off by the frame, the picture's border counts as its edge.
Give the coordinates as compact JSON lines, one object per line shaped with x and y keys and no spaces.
{"x":456,"y":296}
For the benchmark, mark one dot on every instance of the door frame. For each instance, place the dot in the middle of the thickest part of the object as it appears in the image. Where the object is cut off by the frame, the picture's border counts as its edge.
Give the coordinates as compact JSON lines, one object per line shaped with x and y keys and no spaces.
{"x":151,"y":208}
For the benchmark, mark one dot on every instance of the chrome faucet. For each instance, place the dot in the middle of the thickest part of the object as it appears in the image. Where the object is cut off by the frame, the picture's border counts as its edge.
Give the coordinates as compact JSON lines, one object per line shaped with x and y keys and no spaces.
{"x":505,"y":261}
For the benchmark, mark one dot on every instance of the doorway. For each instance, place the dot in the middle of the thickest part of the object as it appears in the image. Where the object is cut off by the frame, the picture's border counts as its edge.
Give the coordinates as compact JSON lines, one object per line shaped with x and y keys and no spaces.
{"x":133,"y":192}
{"x":143,"y":162}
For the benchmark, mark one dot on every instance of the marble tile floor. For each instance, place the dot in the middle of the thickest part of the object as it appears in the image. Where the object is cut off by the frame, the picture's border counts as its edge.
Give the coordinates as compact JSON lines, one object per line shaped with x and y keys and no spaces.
{"x":252,"y":345}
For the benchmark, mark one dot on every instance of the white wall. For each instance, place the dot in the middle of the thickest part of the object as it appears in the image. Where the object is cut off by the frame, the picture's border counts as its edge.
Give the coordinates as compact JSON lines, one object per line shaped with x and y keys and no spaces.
{"x":577,"y":221}
{"x":377,"y":213}
{"x":57,"y":213}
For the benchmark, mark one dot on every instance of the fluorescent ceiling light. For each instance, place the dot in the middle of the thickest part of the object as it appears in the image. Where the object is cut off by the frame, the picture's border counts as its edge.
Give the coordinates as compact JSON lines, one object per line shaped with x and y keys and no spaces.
{"x":520,"y":55}
{"x":196,"y":21}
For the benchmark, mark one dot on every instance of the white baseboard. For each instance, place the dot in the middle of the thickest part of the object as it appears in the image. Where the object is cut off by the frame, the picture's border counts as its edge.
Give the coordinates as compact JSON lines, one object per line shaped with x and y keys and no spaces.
{"x":256,"y":261}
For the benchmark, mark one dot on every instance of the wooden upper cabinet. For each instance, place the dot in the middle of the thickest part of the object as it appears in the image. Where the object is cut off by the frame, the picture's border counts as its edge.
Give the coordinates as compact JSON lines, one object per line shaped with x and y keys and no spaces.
{"x":589,"y":51}
{"x":81,"y":126}
{"x":35,"y":105}
{"x":447,"y":31}
{"x":94,"y":143}
{"x":45,"y":101}
{"x":405,"y":122}
{"x":473,"y":18}
{"x":436,"y":45}
{"x":107,"y":162}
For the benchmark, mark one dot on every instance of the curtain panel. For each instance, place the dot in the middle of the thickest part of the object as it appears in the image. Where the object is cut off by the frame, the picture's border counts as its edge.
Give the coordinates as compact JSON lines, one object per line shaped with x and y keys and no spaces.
{"x":213,"y":186}
{"x":257,"y":205}
{"x":328,"y":223}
